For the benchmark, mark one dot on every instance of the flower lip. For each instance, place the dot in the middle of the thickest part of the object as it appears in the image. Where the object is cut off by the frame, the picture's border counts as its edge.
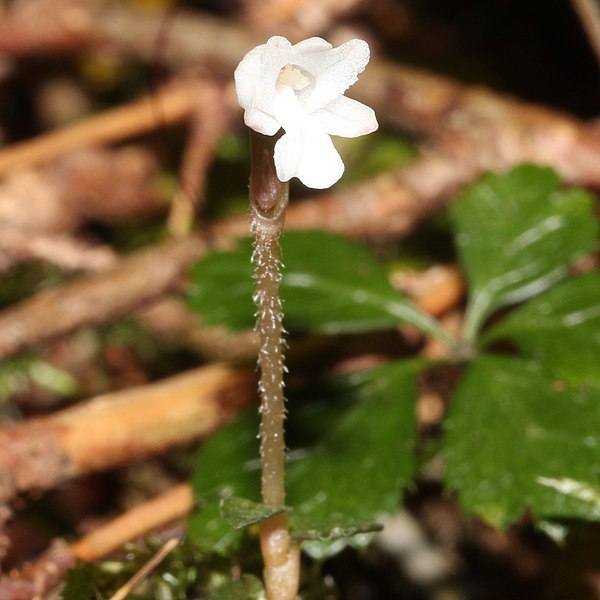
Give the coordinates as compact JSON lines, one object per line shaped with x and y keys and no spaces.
{"x":295,"y":77}
{"x":300,"y":88}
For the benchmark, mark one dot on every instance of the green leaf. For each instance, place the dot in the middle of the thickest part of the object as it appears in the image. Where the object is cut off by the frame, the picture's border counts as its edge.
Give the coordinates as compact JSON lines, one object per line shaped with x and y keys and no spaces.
{"x":240,"y":512}
{"x":52,"y":378}
{"x":364,"y":454}
{"x":352,"y":452}
{"x":364,"y":458}
{"x":79,"y":583}
{"x":322,"y":538}
{"x":516,"y":235}
{"x":374,"y":154}
{"x":248,"y":588}
{"x":17,"y":373}
{"x":560,"y":328}
{"x":227,"y":466}
{"x":324,"y":530}
{"x":515,"y":441}
{"x":329,"y":284}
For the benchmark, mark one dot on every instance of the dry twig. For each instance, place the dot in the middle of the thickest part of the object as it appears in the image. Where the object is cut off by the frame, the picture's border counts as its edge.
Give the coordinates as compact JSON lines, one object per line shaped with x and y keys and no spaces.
{"x":588,"y":12}
{"x":35,"y":580}
{"x":170,"y":105}
{"x":148,"y":516}
{"x":42,"y":575}
{"x":120,"y":427}
{"x":97,"y":298}
{"x":210,"y":120}
{"x":124,"y":591}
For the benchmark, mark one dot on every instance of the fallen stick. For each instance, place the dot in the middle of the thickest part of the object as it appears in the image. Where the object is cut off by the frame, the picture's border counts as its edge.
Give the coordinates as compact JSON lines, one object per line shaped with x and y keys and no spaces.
{"x":38,"y":578}
{"x":148,"y":516}
{"x":96,"y":298}
{"x":42,"y":575}
{"x":120,"y":427}
{"x":164,"y":107}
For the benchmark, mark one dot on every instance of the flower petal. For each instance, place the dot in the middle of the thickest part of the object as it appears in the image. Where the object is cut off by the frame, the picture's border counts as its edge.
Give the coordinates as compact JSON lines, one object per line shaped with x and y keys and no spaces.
{"x":313,"y":44}
{"x":309,"y":154}
{"x":277,"y":53}
{"x":300,"y":89}
{"x":334,"y":71}
{"x":255,"y":79}
{"x":261,"y":121}
{"x":247,"y":77}
{"x":346,"y":117}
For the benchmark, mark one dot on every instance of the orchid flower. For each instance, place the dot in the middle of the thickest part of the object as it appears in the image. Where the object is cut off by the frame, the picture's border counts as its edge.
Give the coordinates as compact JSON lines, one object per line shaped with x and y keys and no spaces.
{"x":300,"y":88}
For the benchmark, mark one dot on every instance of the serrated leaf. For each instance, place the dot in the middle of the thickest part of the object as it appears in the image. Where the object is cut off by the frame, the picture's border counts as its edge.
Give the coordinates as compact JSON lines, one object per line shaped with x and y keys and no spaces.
{"x":511,"y":432}
{"x":371,"y":155}
{"x":352,"y":452}
{"x":323,"y":530}
{"x":322,"y":538}
{"x":329,"y":284}
{"x":516,"y":235}
{"x":365,"y":454}
{"x":560,"y":328}
{"x":79,"y":583}
{"x":247,"y":588}
{"x":227,"y":466}
{"x":241,"y":512}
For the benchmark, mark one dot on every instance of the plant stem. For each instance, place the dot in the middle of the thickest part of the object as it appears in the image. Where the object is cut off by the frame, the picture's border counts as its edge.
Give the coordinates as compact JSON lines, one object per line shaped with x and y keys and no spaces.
{"x":268,"y":203}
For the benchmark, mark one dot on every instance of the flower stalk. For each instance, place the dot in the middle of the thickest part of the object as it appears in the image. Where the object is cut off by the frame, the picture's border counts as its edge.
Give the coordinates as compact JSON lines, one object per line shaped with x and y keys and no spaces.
{"x":268,"y":203}
{"x":297,"y":92}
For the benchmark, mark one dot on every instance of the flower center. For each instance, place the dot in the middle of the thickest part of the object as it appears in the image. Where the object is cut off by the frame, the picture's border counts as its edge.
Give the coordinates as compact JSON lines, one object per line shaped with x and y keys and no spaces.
{"x":295,"y":77}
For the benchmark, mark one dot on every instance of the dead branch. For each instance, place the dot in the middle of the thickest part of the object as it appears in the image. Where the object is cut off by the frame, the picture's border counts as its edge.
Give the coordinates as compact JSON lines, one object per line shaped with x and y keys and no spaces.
{"x":170,"y":319}
{"x":64,"y":251}
{"x":210,"y":120}
{"x":108,"y":431}
{"x":111,"y":430}
{"x":299,"y":19}
{"x":120,"y":427}
{"x":170,"y":105}
{"x":138,"y":521}
{"x":38,"y":578}
{"x":31,"y":458}
{"x":479,"y":127}
{"x":106,"y":184}
{"x":589,"y":15}
{"x":99,"y":183}
{"x":41,"y":209}
{"x":42,"y":575}
{"x":41,"y":26}
{"x":96,"y":298}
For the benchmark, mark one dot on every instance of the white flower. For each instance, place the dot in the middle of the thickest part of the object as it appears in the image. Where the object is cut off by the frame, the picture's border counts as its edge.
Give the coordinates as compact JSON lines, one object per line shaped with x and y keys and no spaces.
{"x":301,"y":89}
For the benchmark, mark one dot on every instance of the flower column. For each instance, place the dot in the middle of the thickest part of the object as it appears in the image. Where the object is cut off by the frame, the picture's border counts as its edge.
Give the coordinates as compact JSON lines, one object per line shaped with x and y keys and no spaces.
{"x":298,"y":88}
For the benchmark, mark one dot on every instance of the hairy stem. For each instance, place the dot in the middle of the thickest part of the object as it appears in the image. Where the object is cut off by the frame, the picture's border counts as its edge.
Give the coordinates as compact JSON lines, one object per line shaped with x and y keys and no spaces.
{"x":268,"y":202}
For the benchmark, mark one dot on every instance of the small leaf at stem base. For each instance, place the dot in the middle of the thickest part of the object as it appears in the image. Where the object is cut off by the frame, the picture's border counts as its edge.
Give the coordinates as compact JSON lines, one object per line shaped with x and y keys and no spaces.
{"x":240,"y":512}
